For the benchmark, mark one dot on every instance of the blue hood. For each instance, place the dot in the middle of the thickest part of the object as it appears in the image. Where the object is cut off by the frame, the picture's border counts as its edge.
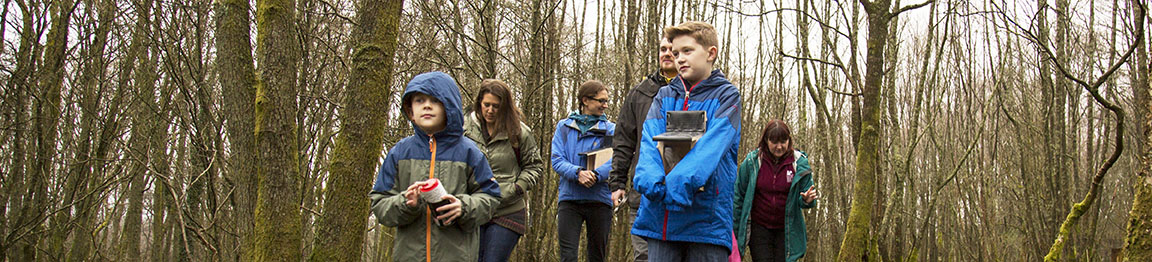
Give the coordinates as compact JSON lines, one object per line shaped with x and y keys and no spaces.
{"x":442,"y":87}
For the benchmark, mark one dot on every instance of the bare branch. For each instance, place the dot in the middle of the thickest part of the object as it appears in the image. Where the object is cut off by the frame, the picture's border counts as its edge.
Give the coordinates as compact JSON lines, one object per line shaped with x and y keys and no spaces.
{"x":730,"y":9}
{"x":912,"y":7}
{"x":841,"y":67}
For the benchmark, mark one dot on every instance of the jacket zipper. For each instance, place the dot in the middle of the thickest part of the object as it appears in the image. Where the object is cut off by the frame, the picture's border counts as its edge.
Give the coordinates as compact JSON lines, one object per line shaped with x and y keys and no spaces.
{"x":428,"y":220}
{"x":687,"y":94}
{"x":665,"y":236}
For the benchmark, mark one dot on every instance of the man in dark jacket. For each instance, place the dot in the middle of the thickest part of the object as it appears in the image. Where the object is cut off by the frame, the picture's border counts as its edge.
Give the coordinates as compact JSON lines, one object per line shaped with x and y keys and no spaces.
{"x":629,"y":126}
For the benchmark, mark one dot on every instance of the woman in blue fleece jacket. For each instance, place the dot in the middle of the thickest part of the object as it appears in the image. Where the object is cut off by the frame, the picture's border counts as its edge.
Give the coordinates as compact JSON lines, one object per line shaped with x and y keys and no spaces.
{"x":584,"y":197}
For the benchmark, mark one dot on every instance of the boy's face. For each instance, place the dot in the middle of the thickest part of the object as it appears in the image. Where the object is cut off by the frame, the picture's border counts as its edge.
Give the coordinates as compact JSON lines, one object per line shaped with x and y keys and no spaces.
{"x":427,"y":113}
{"x":692,"y":60}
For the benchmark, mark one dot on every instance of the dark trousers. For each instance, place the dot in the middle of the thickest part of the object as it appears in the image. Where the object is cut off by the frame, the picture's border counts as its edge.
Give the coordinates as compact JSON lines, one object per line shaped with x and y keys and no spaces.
{"x":766,"y":244}
{"x":675,"y":251}
{"x":497,"y":242}
{"x":595,"y":216}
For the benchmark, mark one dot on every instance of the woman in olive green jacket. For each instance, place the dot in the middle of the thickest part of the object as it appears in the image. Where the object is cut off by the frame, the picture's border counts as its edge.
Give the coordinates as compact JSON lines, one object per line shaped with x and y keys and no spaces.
{"x":495,"y":126}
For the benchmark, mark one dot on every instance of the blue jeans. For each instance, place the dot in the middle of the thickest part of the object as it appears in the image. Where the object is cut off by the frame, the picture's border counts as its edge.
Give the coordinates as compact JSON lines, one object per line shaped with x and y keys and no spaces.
{"x":675,"y":251}
{"x":496,"y":242}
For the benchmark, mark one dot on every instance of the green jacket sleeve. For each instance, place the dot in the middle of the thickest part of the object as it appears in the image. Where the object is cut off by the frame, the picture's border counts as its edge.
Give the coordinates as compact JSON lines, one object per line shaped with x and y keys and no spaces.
{"x":387,"y":195}
{"x":391,"y":211}
{"x":531,"y":165}
{"x":742,"y":177}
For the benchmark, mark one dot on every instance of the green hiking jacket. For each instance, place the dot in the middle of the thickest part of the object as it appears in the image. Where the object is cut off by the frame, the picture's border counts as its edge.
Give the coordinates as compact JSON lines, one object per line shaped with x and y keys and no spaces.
{"x":459,"y":165}
{"x":795,"y":233}
{"x":516,"y":176}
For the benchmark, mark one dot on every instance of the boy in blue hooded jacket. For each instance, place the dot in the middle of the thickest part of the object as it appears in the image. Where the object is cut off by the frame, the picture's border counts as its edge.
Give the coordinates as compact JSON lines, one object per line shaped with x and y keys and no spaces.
{"x":686,"y":215}
{"x":438,"y":150}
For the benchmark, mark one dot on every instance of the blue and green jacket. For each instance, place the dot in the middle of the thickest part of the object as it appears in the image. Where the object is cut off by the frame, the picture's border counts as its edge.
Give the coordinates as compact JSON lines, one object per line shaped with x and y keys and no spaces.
{"x":446,"y":155}
{"x":673,"y":207}
{"x":795,"y":233}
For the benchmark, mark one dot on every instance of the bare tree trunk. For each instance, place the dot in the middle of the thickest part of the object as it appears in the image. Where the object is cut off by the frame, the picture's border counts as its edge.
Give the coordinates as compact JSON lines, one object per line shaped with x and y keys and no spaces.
{"x":47,"y":117}
{"x":84,"y":174}
{"x":142,"y":126}
{"x":19,"y":82}
{"x":277,"y":204}
{"x":366,"y":102}
{"x":487,"y":34}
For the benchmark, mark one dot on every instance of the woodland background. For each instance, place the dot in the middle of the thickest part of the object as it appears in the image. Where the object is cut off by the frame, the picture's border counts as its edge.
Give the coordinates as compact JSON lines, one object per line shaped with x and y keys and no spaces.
{"x":248,"y":131}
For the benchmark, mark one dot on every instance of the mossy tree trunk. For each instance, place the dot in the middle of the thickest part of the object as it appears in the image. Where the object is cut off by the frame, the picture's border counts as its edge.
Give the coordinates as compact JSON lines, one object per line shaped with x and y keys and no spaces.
{"x":1078,"y":209}
{"x":859,"y":244}
{"x":363,"y":122}
{"x":855,"y":246}
{"x":1138,"y":245}
{"x":238,"y":83}
{"x":277,"y":215}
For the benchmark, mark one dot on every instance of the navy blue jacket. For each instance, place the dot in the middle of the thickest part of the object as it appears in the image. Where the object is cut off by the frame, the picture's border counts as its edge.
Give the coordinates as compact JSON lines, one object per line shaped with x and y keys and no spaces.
{"x":459,"y":165}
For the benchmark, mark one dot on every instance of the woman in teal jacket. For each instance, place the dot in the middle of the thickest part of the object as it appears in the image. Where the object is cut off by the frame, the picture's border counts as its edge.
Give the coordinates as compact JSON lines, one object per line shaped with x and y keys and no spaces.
{"x":774,"y":182}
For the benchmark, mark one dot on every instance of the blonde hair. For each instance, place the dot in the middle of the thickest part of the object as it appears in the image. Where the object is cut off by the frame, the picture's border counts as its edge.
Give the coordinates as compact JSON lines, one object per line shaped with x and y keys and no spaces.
{"x":703,"y":32}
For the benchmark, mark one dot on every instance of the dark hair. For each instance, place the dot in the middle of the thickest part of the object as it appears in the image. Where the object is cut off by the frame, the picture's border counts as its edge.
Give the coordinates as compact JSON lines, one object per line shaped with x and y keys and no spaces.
{"x":588,"y":89}
{"x":776,"y":131}
{"x":508,"y":116}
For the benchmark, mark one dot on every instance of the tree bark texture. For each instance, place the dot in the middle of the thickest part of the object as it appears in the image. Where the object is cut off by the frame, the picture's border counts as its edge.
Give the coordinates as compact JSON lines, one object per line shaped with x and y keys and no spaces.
{"x":277,"y":215}
{"x":358,"y":146}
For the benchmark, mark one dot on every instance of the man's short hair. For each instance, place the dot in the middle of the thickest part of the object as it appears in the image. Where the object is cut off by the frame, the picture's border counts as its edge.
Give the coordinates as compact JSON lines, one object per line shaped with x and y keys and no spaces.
{"x":704,"y":33}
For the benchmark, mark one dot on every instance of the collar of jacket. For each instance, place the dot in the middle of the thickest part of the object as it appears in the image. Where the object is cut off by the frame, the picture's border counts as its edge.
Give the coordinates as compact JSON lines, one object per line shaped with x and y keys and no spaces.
{"x":754,"y":157}
{"x":474,"y":119}
{"x":716,"y":79}
{"x":658,"y":81}
{"x":597,"y":129}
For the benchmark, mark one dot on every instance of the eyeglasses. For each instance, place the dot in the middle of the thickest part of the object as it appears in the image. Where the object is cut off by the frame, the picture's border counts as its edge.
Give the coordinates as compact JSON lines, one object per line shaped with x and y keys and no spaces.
{"x":602,"y":101}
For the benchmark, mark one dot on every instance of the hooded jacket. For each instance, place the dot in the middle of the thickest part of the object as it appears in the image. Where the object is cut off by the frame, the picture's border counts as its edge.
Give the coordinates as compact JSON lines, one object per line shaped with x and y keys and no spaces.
{"x":673,"y":207}
{"x":795,"y":233}
{"x":567,"y":144}
{"x":629,"y":128}
{"x":446,"y":155}
{"x":515,"y":174}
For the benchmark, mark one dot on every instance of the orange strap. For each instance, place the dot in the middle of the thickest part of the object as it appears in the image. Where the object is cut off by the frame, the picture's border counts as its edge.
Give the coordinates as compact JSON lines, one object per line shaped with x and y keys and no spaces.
{"x":428,"y":223}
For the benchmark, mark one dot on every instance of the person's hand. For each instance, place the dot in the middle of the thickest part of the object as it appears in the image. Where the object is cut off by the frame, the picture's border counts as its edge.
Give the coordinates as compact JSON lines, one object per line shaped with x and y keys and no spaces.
{"x":587,"y":178}
{"x":617,"y":196}
{"x":583,"y":180}
{"x":413,"y":194}
{"x":810,"y":195}
{"x":451,"y":211}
